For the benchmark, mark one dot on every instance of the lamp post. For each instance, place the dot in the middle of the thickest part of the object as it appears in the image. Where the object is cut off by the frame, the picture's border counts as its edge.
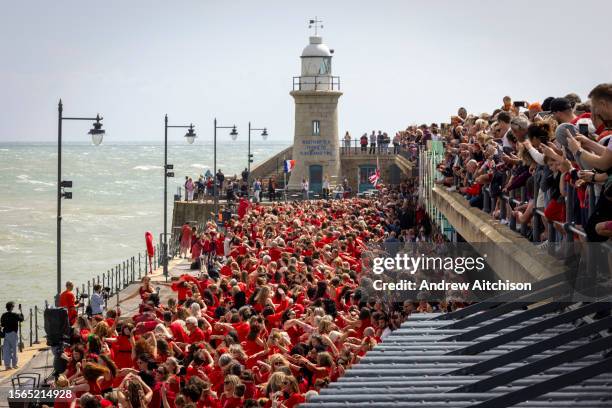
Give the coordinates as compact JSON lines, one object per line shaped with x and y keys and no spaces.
{"x":190,"y":138}
{"x":264,"y":135}
{"x":97,"y":134}
{"x":234,"y":135}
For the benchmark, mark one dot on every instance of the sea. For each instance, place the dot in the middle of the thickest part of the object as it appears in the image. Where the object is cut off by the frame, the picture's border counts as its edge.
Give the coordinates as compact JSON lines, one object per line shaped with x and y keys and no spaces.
{"x":117,"y":196}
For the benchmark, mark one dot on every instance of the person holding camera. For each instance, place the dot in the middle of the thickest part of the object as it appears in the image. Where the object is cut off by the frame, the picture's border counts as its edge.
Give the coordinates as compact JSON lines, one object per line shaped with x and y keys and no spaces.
{"x":97,"y":301}
{"x":10,"y":326}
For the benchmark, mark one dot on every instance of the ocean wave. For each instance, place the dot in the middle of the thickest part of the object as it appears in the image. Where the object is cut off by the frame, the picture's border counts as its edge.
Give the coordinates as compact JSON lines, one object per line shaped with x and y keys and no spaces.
{"x":24,"y":178}
{"x":4,"y":150}
{"x":200,"y":166}
{"x":147,"y":167}
{"x":8,"y":249}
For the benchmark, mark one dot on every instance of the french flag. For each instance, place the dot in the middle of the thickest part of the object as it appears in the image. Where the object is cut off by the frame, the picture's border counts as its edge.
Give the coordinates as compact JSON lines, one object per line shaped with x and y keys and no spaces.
{"x":289,"y":165}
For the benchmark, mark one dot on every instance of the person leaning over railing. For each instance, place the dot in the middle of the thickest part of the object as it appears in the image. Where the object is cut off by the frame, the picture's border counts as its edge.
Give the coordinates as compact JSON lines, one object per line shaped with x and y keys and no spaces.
{"x":513,"y":150}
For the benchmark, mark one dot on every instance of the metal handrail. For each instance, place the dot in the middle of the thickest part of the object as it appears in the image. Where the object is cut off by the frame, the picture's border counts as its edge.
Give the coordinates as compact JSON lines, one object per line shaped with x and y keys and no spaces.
{"x":354,"y":147}
{"x":320,"y":82}
{"x":427,"y":170}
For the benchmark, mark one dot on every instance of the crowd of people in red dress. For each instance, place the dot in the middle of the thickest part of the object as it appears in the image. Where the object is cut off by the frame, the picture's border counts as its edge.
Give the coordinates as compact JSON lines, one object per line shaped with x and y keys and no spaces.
{"x":272,"y":313}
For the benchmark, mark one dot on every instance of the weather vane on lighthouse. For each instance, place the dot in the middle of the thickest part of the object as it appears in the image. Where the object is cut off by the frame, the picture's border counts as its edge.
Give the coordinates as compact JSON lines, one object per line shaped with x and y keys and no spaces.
{"x":315,"y":23}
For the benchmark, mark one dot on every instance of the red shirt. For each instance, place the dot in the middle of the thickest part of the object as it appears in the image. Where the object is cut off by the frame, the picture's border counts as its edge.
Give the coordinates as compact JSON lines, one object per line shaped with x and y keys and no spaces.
{"x":293,"y":400}
{"x":178,"y":332}
{"x":197,"y":335}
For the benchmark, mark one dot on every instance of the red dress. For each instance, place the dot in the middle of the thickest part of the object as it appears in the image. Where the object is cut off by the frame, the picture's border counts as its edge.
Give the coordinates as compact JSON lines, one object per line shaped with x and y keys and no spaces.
{"x":123,"y":352}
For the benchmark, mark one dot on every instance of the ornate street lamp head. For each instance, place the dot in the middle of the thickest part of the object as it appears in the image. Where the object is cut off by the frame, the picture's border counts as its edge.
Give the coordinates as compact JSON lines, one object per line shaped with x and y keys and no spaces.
{"x":234,"y":133}
{"x":97,"y":133}
{"x":264,"y":134}
{"x":190,"y":135}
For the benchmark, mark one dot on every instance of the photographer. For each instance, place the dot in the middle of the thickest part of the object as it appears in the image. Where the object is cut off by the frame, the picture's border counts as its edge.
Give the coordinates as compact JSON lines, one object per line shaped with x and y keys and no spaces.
{"x":97,"y":302}
{"x":10,"y":327}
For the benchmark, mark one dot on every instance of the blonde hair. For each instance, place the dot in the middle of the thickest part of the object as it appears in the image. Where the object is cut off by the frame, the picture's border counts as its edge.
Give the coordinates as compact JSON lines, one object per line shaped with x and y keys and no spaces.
{"x":275,"y":383}
{"x":102,"y":330}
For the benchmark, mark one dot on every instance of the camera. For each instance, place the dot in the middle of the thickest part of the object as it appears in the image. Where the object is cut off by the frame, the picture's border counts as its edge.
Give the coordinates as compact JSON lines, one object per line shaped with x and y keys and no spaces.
{"x":106,"y":291}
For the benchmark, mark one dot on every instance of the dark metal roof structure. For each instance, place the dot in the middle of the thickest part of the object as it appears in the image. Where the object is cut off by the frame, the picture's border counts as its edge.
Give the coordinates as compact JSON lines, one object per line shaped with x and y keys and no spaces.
{"x":513,"y":352}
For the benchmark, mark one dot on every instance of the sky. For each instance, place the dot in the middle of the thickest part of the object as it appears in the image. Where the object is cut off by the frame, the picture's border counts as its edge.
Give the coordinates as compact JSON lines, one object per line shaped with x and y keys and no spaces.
{"x":400,"y":62}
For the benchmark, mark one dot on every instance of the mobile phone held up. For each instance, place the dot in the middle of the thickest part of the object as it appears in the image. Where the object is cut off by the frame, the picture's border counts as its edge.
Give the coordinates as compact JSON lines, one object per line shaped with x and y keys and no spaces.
{"x":583,"y":128}
{"x":520,"y":104}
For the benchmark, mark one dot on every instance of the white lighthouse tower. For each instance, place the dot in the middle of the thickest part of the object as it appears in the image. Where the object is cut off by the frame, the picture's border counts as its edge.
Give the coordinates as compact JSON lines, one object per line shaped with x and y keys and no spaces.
{"x":316,"y":93}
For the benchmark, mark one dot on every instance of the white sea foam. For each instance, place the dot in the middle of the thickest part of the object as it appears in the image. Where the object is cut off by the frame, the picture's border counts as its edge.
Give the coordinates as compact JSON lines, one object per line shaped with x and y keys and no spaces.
{"x":24,"y":178}
{"x":8,"y":249}
{"x":147,"y":167}
{"x":199,"y":166}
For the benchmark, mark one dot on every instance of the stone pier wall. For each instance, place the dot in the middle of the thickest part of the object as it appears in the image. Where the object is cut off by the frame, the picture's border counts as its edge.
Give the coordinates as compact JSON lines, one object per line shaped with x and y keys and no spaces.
{"x":515,"y":257}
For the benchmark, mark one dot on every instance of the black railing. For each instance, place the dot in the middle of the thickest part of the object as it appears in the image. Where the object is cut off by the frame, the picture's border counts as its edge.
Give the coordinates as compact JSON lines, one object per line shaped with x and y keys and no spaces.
{"x":354,"y":147}
{"x":517,"y":197}
{"x":316,"y":83}
{"x":531,"y":229}
{"x":115,"y":280}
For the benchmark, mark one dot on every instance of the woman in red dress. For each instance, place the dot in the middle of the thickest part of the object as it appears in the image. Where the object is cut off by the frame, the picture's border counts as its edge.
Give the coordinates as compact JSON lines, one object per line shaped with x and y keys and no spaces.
{"x":123,"y":347}
{"x":90,"y":380}
{"x":185,"y":239}
{"x":146,"y":289}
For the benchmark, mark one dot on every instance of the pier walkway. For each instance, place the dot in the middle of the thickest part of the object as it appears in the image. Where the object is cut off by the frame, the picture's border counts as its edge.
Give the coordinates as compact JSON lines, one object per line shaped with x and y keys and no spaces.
{"x":39,"y":360}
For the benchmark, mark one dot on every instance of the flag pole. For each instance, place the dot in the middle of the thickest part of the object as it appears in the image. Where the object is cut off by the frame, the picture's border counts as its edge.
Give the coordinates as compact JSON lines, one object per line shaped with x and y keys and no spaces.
{"x":285,"y":177}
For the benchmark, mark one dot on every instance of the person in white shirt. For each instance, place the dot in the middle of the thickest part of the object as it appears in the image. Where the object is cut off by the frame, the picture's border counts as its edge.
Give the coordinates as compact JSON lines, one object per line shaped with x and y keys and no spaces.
{"x":339,"y":192}
{"x":305,"y":189}
{"x":347,"y":142}
{"x":227,"y":244}
{"x":257,"y":191}
{"x":326,"y":187}
{"x":97,"y":302}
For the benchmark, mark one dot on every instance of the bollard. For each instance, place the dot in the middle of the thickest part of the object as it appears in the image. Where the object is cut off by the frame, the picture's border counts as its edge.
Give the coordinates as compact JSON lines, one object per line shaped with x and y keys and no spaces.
{"x":46,"y":305}
{"x":31,"y":327}
{"x":77,"y":292}
{"x":139,"y":267}
{"x":133,"y":269}
{"x":36,"y":323}
{"x":88,"y":288}
{"x":111,"y":280}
